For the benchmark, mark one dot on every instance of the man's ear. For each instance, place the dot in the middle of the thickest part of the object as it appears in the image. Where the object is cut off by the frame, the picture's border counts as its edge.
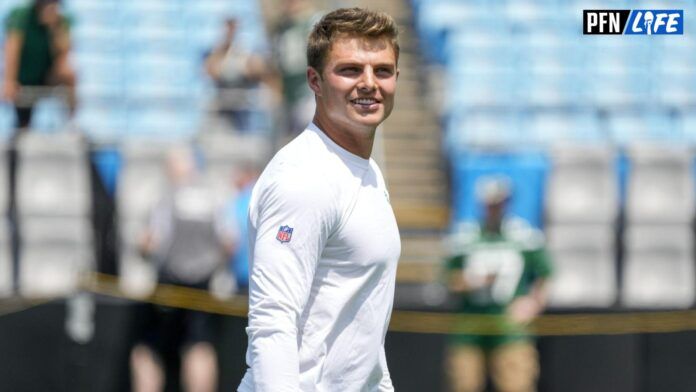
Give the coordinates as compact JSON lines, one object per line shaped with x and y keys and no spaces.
{"x":313,"y":79}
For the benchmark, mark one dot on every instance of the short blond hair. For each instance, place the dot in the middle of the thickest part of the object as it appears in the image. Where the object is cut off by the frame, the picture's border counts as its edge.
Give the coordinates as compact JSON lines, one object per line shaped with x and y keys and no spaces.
{"x":349,"y":22}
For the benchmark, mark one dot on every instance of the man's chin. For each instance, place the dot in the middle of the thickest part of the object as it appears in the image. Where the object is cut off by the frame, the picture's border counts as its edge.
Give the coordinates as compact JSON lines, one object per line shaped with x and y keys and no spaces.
{"x":370,"y":120}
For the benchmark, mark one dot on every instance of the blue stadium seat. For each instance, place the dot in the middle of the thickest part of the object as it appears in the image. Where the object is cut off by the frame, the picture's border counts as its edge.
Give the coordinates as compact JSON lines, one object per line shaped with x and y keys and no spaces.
{"x":467,"y":129}
{"x":103,"y":123}
{"x":50,"y":115}
{"x":647,"y":126}
{"x":169,"y":123}
{"x":547,"y":128}
{"x":7,"y":121}
{"x":526,"y":170}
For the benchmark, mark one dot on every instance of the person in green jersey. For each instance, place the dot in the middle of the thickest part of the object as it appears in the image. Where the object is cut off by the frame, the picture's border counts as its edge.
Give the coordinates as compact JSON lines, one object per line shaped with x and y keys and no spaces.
{"x":499,"y":270}
{"x":37,"y":44}
{"x":36,"y":49}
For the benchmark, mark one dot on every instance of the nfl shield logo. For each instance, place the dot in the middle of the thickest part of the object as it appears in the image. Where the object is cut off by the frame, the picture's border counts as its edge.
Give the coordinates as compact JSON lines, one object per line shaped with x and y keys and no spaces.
{"x":284,"y":234}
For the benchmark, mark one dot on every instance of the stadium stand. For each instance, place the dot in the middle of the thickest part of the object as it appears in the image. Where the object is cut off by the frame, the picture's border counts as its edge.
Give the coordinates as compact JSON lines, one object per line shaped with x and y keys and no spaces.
{"x":520,"y":82}
{"x":54,"y":207}
{"x":582,"y":208}
{"x":141,"y":181}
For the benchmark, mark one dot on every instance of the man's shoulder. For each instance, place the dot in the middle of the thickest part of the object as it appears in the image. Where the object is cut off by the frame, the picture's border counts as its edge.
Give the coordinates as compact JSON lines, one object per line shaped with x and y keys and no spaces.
{"x":293,"y":178}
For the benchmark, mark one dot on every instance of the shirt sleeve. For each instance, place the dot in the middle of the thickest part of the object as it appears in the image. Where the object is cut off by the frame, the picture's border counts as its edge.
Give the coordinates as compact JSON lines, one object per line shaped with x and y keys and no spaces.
{"x":282,"y":271}
{"x":541,"y":263}
{"x":16,"y":20}
{"x":385,"y":384}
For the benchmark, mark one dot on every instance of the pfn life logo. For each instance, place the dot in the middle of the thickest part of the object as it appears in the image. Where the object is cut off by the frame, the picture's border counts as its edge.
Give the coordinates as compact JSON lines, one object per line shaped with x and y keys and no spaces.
{"x":633,"y":22}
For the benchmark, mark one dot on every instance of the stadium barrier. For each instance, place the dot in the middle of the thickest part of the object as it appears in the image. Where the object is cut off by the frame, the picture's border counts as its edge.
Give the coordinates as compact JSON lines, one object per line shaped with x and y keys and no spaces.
{"x":401,"y":320}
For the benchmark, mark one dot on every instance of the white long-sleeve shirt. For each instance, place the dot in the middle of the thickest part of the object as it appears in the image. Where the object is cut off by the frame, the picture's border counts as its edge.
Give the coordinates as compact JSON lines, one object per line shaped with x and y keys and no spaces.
{"x":320,"y":300}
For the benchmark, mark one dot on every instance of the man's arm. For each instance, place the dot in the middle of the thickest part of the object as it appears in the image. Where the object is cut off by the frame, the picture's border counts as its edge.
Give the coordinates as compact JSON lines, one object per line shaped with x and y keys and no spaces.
{"x":13,"y":46}
{"x":526,"y":308}
{"x":282,"y":271}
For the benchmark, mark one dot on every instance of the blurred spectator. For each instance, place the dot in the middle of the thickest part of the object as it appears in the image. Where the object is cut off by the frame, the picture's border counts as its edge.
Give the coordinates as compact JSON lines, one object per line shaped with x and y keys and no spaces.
{"x":289,"y":48}
{"x":189,"y":243}
{"x":236,"y":73}
{"x":36,"y":55}
{"x":37,"y":45}
{"x":500,"y":270}
{"x":237,"y":211}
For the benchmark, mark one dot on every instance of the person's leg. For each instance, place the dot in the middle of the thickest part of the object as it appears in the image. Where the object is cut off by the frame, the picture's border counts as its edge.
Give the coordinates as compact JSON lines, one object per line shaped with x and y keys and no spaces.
{"x":466,"y":368}
{"x":515,"y":367}
{"x":199,"y":368}
{"x":146,"y":370}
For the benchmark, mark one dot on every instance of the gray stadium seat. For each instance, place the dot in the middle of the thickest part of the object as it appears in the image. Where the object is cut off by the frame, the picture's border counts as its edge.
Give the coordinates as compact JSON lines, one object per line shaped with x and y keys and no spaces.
{"x":142,"y":182}
{"x":55,"y":252}
{"x":661,"y":186}
{"x":5,"y":260}
{"x":52,"y":175}
{"x":223,"y":153}
{"x":582,"y":186}
{"x":54,"y":203}
{"x":4,"y":191}
{"x":584,"y":268}
{"x":142,"y":179}
{"x":52,"y":269}
{"x":659,"y":267}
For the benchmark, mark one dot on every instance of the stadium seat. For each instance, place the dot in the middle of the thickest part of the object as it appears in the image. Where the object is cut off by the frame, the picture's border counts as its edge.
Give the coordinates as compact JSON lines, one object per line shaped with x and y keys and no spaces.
{"x":688,"y":126}
{"x":549,"y":128}
{"x":50,"y":115}
{"x":142,"y":179}
{"x":472,"y":129}
{"x":166,"y":124}
{"x":584,"y":267}
{"x":52,"y":175}
{"x":103,"y":123}
{"x":659,"y":267}
{"x":4,"y":193}
{"x":526,"y":170}
{"x":660,"y":185}
{"x":225,"y":153}
{"x":52,"y":269}
{"x":7,"y":121}
{"x":5,"y":260}
{"x":583,"y":186}
{"x":650,"y":126}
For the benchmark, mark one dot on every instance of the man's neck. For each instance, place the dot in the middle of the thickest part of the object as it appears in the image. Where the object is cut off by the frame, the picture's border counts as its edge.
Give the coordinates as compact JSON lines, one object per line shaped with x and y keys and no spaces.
{"x":358,"y":142}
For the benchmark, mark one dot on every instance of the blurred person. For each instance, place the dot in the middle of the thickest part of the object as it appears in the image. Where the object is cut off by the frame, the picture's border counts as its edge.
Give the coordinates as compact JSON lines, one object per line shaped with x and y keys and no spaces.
{"x":37,"y":50}
{"x":237,"y":211}
{"x":189,"y":243}
{"x":37,"y":46}
{"x":289,"y":38}
{"x":236,"y":73}
{"x":323,"y":237}
{"x":500,"y":269}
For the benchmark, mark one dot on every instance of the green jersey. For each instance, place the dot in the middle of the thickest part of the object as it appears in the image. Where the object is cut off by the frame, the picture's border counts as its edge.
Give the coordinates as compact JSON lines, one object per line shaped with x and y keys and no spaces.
{"x":36,"y":57}
{"x":512,"y":261}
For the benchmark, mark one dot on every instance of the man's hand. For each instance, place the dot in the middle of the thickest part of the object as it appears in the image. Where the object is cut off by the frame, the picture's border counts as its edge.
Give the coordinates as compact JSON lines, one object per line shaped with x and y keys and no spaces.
{"x":461,"y":282}
{"x":524,"y":309}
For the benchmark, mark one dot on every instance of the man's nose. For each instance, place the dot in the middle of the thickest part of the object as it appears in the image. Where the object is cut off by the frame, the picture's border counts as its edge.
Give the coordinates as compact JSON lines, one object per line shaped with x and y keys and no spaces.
{"x":368,"y":80}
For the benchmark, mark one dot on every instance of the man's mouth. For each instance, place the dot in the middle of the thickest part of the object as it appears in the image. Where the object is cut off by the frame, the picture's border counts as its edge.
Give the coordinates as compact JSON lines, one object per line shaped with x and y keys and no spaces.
{"x":365,"y":103}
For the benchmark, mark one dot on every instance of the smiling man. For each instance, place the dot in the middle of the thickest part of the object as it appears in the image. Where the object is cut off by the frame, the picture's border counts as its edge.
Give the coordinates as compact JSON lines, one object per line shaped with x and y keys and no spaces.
{"x":324,"y":241}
